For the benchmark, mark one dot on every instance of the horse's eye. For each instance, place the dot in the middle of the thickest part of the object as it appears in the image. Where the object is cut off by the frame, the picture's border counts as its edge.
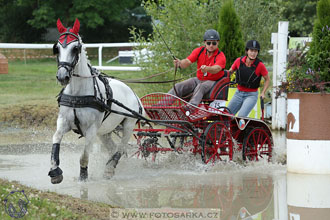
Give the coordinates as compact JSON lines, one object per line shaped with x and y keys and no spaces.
{"x":75,"y":50}
{"x":55,"y":49}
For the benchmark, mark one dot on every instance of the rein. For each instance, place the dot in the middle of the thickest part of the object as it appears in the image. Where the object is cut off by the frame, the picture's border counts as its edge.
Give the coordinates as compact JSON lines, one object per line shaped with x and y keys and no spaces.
{"x":141,"y":80}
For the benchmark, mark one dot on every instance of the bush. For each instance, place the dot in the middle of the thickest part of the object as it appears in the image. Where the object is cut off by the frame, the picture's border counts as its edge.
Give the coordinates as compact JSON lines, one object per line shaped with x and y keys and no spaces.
{"x":231,"y":39}
{"x":319,"y":55}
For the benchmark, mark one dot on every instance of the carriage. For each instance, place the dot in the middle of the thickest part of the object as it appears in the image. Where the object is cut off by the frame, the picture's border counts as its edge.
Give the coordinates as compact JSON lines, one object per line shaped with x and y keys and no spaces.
{"x":214,"y":133}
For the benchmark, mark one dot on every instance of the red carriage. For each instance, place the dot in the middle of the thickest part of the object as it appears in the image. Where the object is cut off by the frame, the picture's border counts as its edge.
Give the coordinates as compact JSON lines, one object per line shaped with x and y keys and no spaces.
{"x":215,"y":133}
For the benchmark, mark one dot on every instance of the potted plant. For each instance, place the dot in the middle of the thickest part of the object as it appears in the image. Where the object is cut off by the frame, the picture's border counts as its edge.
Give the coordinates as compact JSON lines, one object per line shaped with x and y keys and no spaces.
{"x":308,"y":100}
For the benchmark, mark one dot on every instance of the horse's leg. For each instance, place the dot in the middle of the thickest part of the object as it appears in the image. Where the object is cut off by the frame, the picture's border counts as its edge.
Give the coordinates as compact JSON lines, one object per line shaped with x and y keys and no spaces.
{"x":128,"y":126}
{"x":89,"y":141}
{"x":55,"y":172}
{"x":110,"y":145}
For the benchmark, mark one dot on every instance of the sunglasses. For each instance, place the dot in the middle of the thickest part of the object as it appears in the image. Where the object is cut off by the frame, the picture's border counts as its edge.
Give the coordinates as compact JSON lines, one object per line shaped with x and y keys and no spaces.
{"x":213,"y":43}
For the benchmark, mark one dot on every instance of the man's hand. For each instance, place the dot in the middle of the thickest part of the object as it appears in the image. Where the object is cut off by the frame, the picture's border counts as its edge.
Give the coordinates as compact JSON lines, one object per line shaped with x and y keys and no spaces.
{"x":177,"y":63}
{"x":203,"y":69}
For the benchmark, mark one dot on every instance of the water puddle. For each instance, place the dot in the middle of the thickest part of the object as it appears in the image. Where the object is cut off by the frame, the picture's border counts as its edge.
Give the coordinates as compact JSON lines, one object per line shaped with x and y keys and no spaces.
{"x":255,"y":191}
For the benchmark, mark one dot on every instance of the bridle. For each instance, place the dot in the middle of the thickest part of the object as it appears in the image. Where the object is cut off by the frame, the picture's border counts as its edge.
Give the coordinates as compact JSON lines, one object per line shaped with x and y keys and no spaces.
{"x":77,"y":50}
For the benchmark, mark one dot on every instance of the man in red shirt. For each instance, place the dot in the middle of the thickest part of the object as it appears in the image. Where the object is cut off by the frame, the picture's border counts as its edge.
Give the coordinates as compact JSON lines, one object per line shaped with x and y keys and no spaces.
{"x":210,"y":65}
{"x":249,"y":70}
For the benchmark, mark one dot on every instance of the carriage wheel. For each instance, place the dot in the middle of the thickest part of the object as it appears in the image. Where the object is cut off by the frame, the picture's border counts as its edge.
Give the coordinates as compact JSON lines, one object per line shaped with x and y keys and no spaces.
{"x":257,"y":144}
{"x":217,"y":143}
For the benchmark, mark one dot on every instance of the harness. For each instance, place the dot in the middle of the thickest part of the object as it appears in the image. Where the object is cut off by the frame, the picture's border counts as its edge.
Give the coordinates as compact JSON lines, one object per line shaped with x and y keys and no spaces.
{"x":91,"y":101}
{"x":246,"y":76}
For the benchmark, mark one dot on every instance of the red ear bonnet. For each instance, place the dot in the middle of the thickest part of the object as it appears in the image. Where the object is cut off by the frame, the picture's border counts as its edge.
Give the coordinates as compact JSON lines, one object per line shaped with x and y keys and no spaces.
{"x":60,"y":26}
{"x":68,"y":36}
{"x":76,"y":27}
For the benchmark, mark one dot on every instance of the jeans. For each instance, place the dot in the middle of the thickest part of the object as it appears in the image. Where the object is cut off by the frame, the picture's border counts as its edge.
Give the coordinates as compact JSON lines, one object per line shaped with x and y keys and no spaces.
{"x":243,"y":102}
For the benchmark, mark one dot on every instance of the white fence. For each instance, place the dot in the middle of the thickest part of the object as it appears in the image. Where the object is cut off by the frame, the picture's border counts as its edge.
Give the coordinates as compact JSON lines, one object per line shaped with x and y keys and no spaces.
{"x":100,"y":46}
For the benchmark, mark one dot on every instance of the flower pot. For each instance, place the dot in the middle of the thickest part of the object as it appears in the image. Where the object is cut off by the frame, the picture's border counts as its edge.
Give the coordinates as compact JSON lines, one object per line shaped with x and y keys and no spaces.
{"x":308,"y":133}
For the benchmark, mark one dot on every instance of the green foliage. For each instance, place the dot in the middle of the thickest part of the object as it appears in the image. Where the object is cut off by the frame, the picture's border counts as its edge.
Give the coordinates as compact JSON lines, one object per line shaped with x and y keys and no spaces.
{"x":91,"y":13}
{"x":309,"y":71}
{"x":13,"y":24}
{"x":301,"y":15}
{"x":259,"y":19}
{"x":319,"y":54}
{"x":99,"y":19}
{"x":231,"y":39}
{"x":182,"y":24}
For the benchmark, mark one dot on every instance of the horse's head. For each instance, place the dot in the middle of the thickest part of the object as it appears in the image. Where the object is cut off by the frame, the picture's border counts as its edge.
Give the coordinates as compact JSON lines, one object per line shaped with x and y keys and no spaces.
{"x":67,"y":49}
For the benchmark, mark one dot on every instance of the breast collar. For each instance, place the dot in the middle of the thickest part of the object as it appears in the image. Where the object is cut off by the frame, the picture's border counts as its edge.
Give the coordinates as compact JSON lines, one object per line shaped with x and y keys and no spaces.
{"x":92,"y":101}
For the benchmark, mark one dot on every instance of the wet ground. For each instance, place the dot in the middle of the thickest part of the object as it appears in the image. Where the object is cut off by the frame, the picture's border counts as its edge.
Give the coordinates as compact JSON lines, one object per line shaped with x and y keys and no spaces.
{"x":227,"y":190}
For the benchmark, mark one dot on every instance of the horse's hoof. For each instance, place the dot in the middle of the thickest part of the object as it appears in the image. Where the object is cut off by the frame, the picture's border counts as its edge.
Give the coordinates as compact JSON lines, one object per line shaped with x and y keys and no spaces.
{"x":56,"y":179}
{"x":56,"y":175}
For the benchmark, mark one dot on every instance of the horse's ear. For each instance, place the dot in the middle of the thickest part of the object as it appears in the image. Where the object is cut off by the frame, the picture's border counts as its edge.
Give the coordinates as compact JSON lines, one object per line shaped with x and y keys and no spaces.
{"x":76,"y":26}
{"x":60,"y":26}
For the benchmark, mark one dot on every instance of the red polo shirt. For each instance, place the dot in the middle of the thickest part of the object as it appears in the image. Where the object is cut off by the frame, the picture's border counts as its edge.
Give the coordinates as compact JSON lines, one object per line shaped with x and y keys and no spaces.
{"x":203,"y":59}
{"x":260,"y":70}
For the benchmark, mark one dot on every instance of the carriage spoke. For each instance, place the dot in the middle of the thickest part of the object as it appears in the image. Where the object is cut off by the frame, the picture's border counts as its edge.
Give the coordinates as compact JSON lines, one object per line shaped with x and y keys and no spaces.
{"x":256,"y":145}
{"x":217,"y":143}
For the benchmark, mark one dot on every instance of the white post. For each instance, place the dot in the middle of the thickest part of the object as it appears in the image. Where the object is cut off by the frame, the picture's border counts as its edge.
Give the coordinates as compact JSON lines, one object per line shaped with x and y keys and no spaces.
{"x":280,"y":198}
{"x":279,"y":116}
{"x":274,"y":100}
{"x":100,"y":55}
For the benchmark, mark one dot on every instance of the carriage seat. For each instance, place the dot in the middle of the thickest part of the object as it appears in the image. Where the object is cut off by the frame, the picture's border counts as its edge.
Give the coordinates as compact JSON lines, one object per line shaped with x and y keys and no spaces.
{"x":219,"y":90}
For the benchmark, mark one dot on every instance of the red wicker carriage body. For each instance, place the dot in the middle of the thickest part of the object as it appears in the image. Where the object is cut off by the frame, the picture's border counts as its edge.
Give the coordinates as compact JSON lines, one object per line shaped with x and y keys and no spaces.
{"x":215,"y":133}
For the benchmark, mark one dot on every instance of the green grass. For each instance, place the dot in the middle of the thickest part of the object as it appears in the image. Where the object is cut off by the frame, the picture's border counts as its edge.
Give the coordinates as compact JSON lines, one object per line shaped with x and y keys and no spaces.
{"x":48,"y":205}
{"x":27,"y":83}
{"x":35,"y":82}
{"x":28,"y":92}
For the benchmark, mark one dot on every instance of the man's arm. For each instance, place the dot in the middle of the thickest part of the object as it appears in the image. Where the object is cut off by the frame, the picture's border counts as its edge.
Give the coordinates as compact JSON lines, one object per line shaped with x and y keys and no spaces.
{"x":230,"y":71}
{"x":182,"y":63}
{"x":211,"y":69}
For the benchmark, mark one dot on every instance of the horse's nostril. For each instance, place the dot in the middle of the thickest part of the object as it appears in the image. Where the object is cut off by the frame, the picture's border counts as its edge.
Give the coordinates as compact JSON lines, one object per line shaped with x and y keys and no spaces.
{"x":67,"y":78}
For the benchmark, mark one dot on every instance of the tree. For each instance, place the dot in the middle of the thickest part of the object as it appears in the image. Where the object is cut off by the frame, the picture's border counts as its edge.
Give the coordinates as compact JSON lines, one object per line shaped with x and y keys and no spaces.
{"x":181,"y":24}
{"x":91,"y":13}
{"x":319,"y":53}
{"x":13,"y":24}
{"x":106,"y":20}
{"x":229,"y":28}
{"x":301,"y":15}
{"x":259,"y":19}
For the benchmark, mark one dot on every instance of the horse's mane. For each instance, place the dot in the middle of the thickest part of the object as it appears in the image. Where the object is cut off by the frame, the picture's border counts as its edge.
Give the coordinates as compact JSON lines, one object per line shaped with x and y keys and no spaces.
{"x":83,"y":51}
